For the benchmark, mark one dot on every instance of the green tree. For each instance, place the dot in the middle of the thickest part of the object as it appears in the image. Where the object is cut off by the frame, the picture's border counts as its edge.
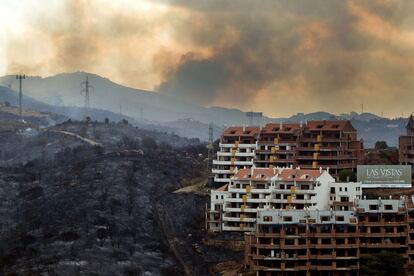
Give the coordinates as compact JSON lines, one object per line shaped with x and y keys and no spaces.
{"x":382,"y":264}
{"x":381,"y":145}
{"x":347,"y":175}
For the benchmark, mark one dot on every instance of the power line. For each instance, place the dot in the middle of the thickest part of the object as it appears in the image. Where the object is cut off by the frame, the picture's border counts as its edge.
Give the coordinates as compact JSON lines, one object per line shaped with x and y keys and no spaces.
{"x":254,"y":117}
{"x":20,"y":78}
{"x":85,"y":90}
{"x":210,"y":147}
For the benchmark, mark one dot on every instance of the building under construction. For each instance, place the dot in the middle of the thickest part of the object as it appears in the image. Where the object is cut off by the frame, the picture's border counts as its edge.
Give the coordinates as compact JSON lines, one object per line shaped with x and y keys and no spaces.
{"x":315,"y":144}
{"x":329,"y":242}
{"x":406,"y":144}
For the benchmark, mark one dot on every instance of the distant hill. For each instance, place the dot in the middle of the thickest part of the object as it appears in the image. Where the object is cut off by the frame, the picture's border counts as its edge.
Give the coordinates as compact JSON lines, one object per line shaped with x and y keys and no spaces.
{"x":61,"y":94}
{"x":64,"y":90}
{"x":77,"y":113}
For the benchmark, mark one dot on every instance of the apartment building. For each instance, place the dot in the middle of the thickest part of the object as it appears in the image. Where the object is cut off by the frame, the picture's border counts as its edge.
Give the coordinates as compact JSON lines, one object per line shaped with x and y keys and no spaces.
{"x":326,"y":144}
{"x":237,"y":150}
{"x":329,"y":144}
{"x":406,"y":144}
{"x":329,"y":242}
{"x":234,"y":206}
{"x":276,"y":145}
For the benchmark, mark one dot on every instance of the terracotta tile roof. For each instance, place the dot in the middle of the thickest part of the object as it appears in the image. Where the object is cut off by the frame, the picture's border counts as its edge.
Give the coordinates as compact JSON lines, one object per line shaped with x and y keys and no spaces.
{"x":330,"y":125}
{"x":223,"y":188}
{"x":284,"y":174}
{"x":241,"y":131}
{"x":280,"y":128}
{"x":299,"y":175}
{"x":256,"y":173}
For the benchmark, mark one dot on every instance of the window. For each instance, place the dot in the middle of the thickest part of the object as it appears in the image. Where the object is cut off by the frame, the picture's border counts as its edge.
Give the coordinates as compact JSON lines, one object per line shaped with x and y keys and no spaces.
{"x":373,"y":207}
{"x":340,"y":189}
{"x":344,"y":199}
{"x":287,"y":218}
{"x":388,"y":207}
{"x":216,"y":196}
{"x":325,"y":218}
{"x":267,"y":218}
{"x":346,"y":189}
{"x":339,"y":218}
{"x":352,"y":220}
{"x":332,"y":190}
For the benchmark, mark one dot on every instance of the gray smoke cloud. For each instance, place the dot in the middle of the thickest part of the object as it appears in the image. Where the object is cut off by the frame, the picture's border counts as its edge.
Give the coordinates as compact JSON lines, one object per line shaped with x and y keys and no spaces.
{"x":277,"y":56}
{"x":338,"y":52}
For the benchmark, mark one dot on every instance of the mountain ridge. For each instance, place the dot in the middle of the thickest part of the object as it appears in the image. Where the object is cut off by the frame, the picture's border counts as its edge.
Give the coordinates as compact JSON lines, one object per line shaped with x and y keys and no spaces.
{"x":62,"y":92}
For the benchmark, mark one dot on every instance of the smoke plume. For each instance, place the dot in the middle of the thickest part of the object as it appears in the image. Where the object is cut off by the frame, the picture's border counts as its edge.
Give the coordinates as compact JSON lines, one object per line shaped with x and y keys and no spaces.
{"x":278,"y":56}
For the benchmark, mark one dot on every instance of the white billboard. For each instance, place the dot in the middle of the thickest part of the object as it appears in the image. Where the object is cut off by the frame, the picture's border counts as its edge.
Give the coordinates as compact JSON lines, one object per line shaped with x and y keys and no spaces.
{"x":384,"y":176}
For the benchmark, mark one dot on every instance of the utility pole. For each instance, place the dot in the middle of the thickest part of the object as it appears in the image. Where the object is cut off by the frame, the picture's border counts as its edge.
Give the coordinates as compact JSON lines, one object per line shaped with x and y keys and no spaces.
{"x":254,"y":118}
{"x":85,"y":90}
{"x":20,"y":78}
{"x":210,"y":148}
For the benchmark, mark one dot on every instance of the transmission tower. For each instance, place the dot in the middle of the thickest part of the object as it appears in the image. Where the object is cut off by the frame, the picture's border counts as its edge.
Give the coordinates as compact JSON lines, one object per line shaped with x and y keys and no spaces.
{"x":20,"y":78}
{"x":86,"y":87}
{"x":254,"y":118}
{"x":210,"y":147}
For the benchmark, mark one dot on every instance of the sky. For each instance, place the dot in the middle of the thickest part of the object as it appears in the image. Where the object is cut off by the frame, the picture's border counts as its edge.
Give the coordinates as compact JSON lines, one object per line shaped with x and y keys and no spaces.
{"x":276,"y":56}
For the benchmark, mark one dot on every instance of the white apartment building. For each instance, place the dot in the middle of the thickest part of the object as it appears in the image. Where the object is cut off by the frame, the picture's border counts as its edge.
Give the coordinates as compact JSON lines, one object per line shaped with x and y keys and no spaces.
{"x":234,"y":206}
{"x":237,"y":150}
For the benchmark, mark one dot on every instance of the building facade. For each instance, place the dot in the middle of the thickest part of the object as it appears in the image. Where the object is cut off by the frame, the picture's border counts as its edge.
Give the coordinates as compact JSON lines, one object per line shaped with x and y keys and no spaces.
{"x":406,"y":144}
{"x":234,"y":206}
{"x":236,"y":150}
{"x":315,"y":144}
{"x":329,"y":242}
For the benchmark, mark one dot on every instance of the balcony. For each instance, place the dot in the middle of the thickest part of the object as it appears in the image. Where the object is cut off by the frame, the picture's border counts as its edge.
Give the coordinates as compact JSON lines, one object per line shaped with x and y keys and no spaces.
{"x":238,"y":219}
{"x":238,"y":210}
{"x":234,"y":163}
{"x":260,"y":151}
{"x":236,"y":228}
{"x":333,"y":148}
{"x":221,"y":180}
{"x":241,"y":154}
{"x":220,"y":171}
{"x":221,"y":145}
{"x":335,"y":166}
{"x":324,"y":157}
{"x":276,"y":161}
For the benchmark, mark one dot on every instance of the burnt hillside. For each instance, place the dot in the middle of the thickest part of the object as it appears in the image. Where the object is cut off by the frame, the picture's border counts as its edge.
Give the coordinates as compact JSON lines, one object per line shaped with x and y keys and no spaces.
{"x":96,"y":199}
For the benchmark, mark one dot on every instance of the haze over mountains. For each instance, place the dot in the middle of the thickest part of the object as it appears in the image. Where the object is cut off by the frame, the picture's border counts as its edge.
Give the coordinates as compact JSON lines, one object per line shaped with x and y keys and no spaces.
{"x":61,"y":94}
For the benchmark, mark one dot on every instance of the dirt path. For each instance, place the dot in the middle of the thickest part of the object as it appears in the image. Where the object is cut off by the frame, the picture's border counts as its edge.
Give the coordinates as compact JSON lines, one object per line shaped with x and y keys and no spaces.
{"x":169,"y":238}
{"x":77,"y":136}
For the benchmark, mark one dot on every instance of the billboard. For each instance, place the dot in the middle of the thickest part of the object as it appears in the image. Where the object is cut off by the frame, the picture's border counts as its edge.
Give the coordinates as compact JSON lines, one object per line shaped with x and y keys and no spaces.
{"x":384,"y":176}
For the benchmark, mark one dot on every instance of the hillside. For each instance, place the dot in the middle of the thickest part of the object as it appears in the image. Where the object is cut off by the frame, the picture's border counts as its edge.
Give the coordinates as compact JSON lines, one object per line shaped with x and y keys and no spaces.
{"x":64,"y":89}
{"x":96,"y":199}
